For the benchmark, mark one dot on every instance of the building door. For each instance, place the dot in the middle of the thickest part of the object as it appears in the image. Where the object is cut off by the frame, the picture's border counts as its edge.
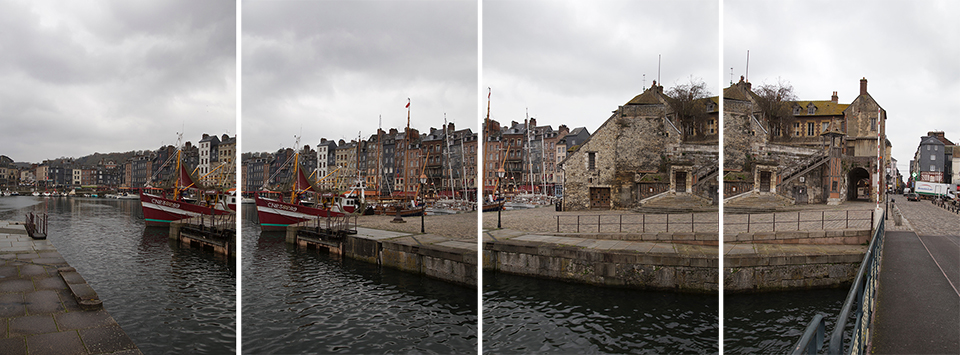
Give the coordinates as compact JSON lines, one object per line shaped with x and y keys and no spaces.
{"x":681,"y":181}
{"x":765,"y":181}
{"x":600,"y":197}
{"x":800,"y":194}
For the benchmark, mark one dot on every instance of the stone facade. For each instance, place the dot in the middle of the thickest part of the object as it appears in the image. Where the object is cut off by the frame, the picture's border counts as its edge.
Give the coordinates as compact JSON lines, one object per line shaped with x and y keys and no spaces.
{"x":795,"y":166}
{"x":640,"y":142}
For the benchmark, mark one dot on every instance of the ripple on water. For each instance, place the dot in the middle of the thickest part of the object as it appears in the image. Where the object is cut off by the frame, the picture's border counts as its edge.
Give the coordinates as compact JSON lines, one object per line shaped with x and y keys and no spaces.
{"x":299,"y":301}
{"x":166,"y":298}
{"x":524,"y":315}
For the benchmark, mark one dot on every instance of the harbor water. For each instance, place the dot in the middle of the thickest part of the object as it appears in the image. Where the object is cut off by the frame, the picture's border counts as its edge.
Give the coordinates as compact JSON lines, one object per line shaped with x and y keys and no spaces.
{"x":523,"y":315}
{"x":168,"y":299}
{"x":772,"y":322}
{"x":302,"y":301}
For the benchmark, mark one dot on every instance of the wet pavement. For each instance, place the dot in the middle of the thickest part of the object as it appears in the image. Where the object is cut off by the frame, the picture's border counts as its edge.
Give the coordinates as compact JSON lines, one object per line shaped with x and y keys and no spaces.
{"x":38,"y":311}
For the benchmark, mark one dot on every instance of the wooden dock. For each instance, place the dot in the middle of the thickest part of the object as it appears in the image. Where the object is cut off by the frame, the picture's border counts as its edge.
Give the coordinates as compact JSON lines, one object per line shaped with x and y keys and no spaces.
{"x":216,"y":234}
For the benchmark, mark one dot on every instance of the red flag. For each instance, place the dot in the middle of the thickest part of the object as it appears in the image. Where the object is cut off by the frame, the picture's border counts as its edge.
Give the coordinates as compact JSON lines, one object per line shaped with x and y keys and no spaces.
{"x":408,"y":104}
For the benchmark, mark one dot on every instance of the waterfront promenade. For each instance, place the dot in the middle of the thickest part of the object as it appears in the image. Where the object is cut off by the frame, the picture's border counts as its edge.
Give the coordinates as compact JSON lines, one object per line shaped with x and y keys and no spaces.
{"x":39,"y":313}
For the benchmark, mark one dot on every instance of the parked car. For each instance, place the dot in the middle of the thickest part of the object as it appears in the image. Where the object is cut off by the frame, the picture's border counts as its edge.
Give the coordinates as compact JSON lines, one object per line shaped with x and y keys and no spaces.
{"x":913,"y":197}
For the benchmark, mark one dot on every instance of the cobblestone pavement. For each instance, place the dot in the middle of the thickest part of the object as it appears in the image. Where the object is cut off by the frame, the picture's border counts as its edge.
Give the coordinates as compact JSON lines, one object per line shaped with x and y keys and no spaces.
{"x":925,"y":218}
{"x":544,"y":220}
{"x":849,"y":215}
{"x":461,"y":226}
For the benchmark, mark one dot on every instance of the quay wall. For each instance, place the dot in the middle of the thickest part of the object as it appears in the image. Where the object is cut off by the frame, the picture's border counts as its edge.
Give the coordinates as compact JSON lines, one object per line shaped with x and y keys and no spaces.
{"x":760,"y":273}
{"x":697,"y":238}
{"x":450,"y":264}
{"x":818,"y":237}
{"x":603,"y":267}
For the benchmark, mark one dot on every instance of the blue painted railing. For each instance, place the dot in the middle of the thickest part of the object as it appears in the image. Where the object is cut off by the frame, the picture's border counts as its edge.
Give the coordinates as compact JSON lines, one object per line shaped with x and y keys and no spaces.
{"x":862,"y":294}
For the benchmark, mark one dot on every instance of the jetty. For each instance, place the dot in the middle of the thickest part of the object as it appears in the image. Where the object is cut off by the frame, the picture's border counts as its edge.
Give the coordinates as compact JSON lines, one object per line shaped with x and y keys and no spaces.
{"x":46,"y":305}
{"x":443,"y":257}
{"x":213,"y":233}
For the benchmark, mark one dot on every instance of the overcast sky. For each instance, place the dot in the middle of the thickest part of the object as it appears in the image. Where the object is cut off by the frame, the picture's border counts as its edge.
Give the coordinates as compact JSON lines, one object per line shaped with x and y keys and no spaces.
{"x":111,"y":76}
{"x":574,"y":62}
{"x":331,"y":68}
{"x":909,"y":51}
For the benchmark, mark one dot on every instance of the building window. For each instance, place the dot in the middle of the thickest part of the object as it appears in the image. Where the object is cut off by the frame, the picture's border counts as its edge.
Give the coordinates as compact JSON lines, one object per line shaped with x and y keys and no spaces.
{"x":810,"y":126}
{"x":811,"y":109}
{"x":933,"y":157}
{"x":591,"y":160}
{"x":796,"y":128}
{"x":933,"y":168}
{"x":823,"y":127}
{"x":873,"y":124}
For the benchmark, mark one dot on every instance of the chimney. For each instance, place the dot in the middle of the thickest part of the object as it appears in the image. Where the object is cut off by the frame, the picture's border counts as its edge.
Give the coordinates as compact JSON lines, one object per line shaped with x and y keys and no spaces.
{"x":533,"y":122}
{"x":863,"y":86}
{"x":835,"y":98}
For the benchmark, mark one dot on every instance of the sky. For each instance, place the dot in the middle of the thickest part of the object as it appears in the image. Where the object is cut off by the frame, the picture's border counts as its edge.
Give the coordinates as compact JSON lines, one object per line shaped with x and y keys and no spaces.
{"x":909,"y":52}
{"x":332,"y":69}
{"x":114,"y":76}
{"x":574,"y":62}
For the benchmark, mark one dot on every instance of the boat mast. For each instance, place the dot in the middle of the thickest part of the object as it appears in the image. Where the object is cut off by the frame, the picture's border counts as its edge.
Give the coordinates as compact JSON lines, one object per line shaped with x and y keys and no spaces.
{"x":447,"y":137}
{"x":379,"y":157}
{"x":296,"y":172}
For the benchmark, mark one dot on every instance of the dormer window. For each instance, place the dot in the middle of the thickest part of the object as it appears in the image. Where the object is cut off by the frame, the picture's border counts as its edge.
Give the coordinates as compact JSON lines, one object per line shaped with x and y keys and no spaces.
{"x":796,"y":110}
{"x":811,"y":109}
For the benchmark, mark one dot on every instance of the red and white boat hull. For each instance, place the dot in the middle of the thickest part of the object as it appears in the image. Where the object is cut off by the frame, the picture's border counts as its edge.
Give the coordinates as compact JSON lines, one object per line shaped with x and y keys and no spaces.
{"x":160,"y":211}
{"x":274,"y":214}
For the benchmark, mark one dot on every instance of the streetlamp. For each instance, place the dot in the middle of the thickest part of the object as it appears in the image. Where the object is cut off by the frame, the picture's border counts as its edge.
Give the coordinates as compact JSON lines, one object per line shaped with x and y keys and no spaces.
{"x":423,"y":180}
{"x":500,"y":174}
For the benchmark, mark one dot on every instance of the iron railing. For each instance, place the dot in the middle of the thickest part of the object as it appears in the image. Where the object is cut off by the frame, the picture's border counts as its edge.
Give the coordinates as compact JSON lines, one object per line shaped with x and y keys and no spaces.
{"x":809,"y":220}
{"x":638,"y":223}
{"x":812,"y":338}
{"x":345,"y":224}
{"x":863,"y":294}
{"x":36,"y":225}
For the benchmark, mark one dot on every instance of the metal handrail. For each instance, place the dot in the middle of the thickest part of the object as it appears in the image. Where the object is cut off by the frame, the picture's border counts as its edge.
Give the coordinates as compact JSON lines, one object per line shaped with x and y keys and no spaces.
{"x":643,"y":222}
{"x":823,"y":219}
{"x":812,"y":338}
{"x":862,"y":292}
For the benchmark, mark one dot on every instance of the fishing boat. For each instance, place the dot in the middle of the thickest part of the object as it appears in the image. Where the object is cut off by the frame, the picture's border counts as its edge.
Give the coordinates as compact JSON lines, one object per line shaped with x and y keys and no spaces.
{"x":160,"y":208}
{"x":275,"y":213}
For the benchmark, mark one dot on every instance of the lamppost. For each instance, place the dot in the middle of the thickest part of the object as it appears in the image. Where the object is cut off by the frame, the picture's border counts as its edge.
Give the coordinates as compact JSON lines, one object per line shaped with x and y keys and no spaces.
{"x":423,"y":180}
{"x":500,"y":174}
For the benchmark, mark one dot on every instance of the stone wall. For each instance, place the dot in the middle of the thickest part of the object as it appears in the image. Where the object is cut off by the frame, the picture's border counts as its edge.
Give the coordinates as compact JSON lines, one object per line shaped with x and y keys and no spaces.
{"x":571,"y":263}
{"x":778,"y":273}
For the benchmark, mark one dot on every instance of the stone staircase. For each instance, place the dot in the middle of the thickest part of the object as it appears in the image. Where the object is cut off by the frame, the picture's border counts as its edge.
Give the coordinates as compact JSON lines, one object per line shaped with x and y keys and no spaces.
{"x":803,"y":168}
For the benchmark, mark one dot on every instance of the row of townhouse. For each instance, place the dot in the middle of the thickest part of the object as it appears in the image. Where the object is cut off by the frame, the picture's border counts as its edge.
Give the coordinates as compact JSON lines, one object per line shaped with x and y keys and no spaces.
{"x":529,"y":154}
{"x":389,"y":162}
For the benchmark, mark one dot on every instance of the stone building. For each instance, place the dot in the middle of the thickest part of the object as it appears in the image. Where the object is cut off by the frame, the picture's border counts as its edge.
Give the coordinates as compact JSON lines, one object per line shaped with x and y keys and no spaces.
{"x":644,"y":156}
{"x":829,"y":155}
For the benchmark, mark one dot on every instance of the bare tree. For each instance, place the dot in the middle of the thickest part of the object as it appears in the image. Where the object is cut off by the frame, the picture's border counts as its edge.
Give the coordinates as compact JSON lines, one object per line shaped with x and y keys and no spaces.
{"x":776,"y":101}
{"x":689,"y":102}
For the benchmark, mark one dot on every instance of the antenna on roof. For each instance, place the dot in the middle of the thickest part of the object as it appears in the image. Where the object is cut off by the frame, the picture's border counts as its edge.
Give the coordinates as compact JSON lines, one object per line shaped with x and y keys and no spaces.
{"x":731,"y":75}
{"x":747,"y":72}
{"x":658,"y":67}
{"x":644,"y":81}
